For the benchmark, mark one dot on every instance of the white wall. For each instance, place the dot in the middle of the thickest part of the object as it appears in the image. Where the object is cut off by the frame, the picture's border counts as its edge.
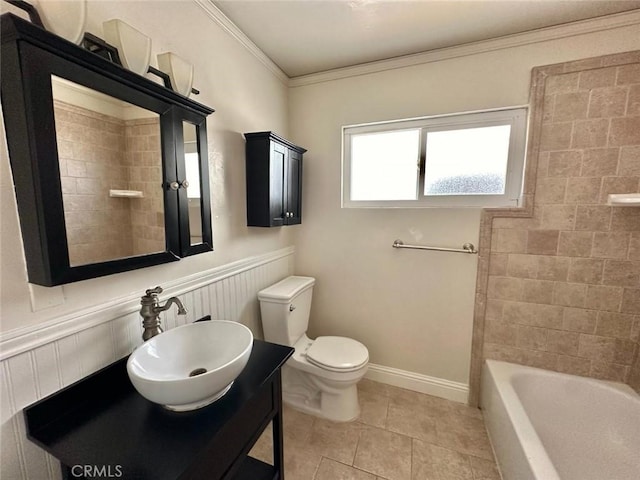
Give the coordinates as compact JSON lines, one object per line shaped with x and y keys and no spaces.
{"x":413,"y":309}
{"x":247,"y":97}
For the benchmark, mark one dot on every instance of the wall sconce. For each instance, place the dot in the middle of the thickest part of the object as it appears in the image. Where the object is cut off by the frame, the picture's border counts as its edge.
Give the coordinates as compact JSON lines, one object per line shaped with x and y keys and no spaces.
{"x":133,"y":46}
{"x":179,"y":70}
{"x":64,"y":18}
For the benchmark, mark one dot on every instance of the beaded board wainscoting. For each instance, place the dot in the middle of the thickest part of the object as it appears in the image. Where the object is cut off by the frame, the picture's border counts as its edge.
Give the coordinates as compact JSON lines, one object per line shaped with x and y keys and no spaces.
{"x":39,"y":361}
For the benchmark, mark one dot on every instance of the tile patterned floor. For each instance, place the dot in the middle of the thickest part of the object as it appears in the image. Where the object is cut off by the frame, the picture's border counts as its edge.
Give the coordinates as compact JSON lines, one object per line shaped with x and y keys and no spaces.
{"x":400,"y":435}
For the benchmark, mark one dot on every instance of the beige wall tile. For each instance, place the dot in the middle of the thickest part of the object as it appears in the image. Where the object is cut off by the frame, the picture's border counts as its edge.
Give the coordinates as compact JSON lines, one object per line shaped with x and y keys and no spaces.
{"x":537,"y":291}
{"x":600,"y":77}
{"x":574,"y":365}
{"x":564,"y":163}
{"x":631,"y":301}
{"x":534,"y":338}
{"x":624,"y":131}
{"x":591,"y":133}
{"x":610,"y":244}
{"x":609,"y":371}
{"x":597,"y":162}
{"x":633,"y":102}
{"x":634,"y":246}
{"x":571,"y":106}
{"x":558,"y":84}
{"x":494,"y":308}
{"x":504,"y":288}
{"x":635,"y":330}
{"x":536,"y":315}
{"x":622,"y":273}
{"x":580,"y":320}
{"x":625,"y":352}
{"x":585,"y":270}
{"x":542,"y":242}
{"x":569,"y":294}
{"x":629,"y":161}
{"x":575,"y":244}
{"x":589,"y":255}
{"x":509,"y":241}
{"x":625,"y":219}
{"x":558,"y":217}
{"x":596,"y":348}
{"x":556,"y":136}
{"x":617,"y":325}
{"x":628,"y":74}
{"x":553,"y":268}
{"x":524,"y":266}
{"x":565,"y":343}
{"x":583,"y":190}
{"x":498,"y":264}
{"x":602,"y":297}
{"x":551,"y":190}
{"x":618,"y":185}
{"x":500,"y":332}
{"x":608,"y":102}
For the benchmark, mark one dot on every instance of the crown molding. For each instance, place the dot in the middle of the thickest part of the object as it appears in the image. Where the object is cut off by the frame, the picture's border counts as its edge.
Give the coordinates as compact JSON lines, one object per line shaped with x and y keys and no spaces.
{"x":608,"y":22}
{"x":232,"y":29}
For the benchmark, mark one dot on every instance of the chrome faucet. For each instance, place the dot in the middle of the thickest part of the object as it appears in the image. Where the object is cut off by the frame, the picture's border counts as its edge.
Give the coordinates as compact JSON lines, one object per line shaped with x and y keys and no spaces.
{"x":151,"y":309}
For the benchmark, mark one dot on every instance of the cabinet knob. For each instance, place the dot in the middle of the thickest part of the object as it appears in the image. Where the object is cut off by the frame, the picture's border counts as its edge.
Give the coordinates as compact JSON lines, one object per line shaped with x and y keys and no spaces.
{"x":185,"y":184}
{"x":174,"y":185}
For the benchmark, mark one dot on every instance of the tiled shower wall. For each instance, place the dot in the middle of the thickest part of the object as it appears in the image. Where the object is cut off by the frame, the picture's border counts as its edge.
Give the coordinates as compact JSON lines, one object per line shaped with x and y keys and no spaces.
{"x":91,"y":149}
{"x":143,"y":158}
{"x":97,"y":153}
{"x":36,"y":373}
{"x":563,"y":290}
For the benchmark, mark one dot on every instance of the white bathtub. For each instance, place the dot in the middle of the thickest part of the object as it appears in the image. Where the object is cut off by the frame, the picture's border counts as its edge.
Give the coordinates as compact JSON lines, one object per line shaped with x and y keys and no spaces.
{"x":552,"y":426}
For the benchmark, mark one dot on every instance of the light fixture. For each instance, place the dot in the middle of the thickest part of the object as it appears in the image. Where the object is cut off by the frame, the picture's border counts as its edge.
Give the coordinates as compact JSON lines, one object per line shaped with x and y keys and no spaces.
{"x":179,"y":70}
{"x":65,"y":19}
{"x":133,"y":46}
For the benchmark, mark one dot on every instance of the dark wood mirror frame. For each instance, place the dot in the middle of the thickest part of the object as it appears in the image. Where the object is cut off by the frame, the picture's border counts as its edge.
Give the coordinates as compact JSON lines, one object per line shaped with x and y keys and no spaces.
{"x":29,"y":57}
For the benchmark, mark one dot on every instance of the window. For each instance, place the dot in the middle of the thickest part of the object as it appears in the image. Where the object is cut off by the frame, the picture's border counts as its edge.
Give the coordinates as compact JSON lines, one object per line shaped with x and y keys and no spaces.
{"x":473,"y":159}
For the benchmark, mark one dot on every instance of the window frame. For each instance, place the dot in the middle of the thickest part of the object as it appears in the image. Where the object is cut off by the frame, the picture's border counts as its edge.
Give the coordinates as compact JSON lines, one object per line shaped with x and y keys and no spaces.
{"x":516,"y":117}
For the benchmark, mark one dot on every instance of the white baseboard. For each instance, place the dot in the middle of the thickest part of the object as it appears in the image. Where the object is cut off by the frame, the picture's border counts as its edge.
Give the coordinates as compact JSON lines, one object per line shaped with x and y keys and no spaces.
{"x":438,"y":387}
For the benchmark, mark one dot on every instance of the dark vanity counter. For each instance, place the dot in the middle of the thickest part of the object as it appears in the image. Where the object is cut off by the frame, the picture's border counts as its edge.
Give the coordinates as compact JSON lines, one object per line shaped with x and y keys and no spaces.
{"x":102,"y":422}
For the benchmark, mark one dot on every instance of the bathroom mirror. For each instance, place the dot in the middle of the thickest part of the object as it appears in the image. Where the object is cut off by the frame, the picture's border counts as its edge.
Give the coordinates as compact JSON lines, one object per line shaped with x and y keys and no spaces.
{"x":98,"y":160}
{"x":110,"y":165}
{"x":197,"y":213}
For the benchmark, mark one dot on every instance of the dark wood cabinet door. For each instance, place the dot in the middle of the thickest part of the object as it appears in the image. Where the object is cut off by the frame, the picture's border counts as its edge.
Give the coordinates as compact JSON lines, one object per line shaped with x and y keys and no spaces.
{"x":277,"y":185}
{"x":293,"y":201}
{"x":274,"y":180}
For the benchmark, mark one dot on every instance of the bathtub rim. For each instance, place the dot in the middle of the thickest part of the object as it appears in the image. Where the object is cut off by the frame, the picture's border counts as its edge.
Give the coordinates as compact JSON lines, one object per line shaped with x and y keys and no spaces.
{"x":500,"y":373}
{"x":499,"y":376}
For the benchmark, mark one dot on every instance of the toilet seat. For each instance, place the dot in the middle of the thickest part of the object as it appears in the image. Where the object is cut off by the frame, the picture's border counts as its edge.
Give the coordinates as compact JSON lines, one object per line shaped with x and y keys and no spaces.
{"x":337,"y":354}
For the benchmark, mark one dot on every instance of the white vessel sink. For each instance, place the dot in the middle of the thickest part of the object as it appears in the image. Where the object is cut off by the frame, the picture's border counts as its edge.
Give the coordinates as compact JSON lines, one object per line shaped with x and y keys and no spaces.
{"x":190,"y":366}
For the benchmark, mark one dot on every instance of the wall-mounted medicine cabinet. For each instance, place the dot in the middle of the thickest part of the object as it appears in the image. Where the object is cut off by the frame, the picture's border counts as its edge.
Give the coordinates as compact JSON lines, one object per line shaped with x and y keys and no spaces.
{"x":80,"y":128}
{"x":274,"y":180}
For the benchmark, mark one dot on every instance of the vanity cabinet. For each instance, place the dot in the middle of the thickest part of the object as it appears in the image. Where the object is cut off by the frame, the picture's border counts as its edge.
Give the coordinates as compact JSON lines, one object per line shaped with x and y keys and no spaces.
{"x":98,"y":156}
{"x":274,"y":180}
{"x":102,"y":422}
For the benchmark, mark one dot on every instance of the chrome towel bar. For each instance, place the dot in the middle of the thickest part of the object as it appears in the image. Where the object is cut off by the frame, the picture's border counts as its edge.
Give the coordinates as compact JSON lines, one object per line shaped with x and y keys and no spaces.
{"x":466,"y":248}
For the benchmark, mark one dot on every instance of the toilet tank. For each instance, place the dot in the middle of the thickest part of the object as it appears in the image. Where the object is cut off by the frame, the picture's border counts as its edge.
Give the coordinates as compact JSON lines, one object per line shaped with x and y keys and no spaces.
{"x":285,"y":308}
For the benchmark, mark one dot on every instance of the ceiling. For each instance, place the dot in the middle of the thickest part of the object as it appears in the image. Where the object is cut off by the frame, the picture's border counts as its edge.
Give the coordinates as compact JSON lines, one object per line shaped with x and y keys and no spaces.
{"x":310,"y":36}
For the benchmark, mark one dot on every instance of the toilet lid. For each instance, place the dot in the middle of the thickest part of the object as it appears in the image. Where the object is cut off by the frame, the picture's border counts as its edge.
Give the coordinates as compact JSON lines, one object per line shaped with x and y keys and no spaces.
{"x":337,"y":353}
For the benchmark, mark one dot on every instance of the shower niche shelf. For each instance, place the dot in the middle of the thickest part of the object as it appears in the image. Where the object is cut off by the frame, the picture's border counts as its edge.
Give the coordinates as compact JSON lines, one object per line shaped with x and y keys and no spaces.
{"x":624,"y":200}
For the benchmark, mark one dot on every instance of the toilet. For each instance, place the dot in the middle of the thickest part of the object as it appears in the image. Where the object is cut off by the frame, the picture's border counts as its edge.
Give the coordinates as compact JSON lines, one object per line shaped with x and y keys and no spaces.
{"x":320,"y":378}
